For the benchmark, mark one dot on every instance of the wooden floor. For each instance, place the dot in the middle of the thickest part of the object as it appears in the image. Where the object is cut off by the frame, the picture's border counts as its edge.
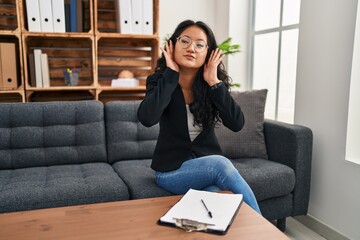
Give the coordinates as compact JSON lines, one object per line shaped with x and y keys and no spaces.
{"x":297,"y":231}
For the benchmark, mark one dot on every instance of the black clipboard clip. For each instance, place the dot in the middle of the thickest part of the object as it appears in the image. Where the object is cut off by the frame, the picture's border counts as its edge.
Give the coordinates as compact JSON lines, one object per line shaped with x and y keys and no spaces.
{"x":191,"y":225}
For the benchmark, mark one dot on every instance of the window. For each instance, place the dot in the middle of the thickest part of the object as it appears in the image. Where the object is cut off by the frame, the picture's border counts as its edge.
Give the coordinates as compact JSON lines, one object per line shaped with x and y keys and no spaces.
{"x":275,"y":29}
{"x":353,"y":126}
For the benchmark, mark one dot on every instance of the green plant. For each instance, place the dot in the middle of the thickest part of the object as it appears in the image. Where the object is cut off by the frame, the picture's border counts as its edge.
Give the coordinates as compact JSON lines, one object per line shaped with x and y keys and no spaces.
{"x":235,"y":85}
{"x":229,"y":48}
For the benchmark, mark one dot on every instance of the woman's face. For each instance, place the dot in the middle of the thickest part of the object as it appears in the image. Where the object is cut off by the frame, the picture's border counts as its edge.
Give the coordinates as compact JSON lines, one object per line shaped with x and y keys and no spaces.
{"x":190,"y":51}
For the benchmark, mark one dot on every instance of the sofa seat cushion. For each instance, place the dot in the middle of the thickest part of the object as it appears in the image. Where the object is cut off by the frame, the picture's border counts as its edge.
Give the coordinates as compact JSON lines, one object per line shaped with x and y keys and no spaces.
{"x":266,"y":178}
{"x":63,"y":185}
{"x":139,"y":178}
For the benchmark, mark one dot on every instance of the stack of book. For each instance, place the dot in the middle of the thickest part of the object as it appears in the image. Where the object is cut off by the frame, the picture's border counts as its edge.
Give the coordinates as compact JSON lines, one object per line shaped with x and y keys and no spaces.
{"x":39,"y":69}
{"x":134,"y":16}
{"x":54,"y":15}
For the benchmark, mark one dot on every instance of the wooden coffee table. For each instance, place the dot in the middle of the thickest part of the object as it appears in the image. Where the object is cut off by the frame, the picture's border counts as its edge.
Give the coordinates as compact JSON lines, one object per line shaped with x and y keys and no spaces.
{"x":133,"y":219}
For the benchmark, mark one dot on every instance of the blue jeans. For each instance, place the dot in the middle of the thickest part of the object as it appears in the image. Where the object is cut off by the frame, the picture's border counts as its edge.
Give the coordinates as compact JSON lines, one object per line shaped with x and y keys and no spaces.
{"x":209,"y":173}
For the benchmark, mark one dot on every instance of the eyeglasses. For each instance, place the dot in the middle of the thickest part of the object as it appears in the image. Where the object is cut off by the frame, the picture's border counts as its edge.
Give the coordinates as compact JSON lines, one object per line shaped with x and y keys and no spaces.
{"x":185,"y":42}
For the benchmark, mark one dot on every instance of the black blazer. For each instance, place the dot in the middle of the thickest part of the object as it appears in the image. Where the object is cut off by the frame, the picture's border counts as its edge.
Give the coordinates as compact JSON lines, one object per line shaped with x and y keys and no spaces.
{"x":164,"y":103}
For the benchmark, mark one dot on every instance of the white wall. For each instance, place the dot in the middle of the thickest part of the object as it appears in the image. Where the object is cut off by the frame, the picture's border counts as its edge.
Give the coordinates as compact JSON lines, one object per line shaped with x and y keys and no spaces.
{"x":173,"y":12}
{"x":322,"y":92}
{"x":353,"y":126}
{"x":238,"y":64}
{"x":217,"y":15}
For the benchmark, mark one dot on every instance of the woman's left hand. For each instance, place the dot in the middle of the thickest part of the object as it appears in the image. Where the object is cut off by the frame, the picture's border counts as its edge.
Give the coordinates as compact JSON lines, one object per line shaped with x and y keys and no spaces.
{"x":210,"y":68}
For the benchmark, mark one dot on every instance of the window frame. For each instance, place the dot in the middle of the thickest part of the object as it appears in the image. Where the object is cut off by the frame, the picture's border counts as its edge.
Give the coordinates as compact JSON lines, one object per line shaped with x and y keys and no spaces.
{"x":253,"y":34}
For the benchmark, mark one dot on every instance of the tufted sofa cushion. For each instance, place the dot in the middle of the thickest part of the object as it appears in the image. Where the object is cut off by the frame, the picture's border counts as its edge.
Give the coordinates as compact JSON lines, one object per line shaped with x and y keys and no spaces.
{"x":44,"y":187}
{"x":127,"y":138}
{"x":52,"y":133}
{"x":267,"y":179}
{"x":139,"y":178}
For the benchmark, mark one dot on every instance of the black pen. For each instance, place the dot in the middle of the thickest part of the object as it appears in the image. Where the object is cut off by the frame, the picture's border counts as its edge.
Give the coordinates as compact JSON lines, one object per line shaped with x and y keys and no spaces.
{"x":210,"y":215}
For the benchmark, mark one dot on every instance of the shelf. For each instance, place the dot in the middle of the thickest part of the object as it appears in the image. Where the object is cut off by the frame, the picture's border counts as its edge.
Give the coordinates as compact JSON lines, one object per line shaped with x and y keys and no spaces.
{"x":134,"y":89}
{"x":15,"y":39}
{"x":61,"y":88}
{"x":63,"y":53}
{"x":124,"y":95}
{"x":137,"y":55}
{"x":19,"y":91}
{"x":47,"y":96}
{"x":57,"y":35}
{"x":127,"y":36}
{"x":105,"y":16}
{"x":8,"y":16}
{"x":97,"y":50}
{"x":12,"y":96}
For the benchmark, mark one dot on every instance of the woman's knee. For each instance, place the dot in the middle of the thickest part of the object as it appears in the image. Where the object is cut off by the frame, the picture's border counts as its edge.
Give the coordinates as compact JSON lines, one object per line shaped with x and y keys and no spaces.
{"x":224,"y":163}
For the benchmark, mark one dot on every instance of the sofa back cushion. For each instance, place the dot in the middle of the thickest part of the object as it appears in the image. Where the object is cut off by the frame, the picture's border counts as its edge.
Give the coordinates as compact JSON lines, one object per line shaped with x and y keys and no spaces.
{"x":250,"y":141}
{"x":51,"y":133}
{"x":127,"y":138}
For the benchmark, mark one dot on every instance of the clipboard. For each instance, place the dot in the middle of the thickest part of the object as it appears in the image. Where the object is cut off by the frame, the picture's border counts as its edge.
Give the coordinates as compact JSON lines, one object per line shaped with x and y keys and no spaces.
{"x":189,"y":213}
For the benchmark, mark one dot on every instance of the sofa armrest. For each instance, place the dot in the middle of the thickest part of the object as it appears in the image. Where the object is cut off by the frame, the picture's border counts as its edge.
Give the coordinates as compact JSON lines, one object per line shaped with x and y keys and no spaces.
{"x":291,"y":145}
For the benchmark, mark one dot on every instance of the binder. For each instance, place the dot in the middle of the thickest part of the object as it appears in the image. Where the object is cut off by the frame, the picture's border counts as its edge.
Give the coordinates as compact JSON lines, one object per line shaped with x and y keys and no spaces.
{"x":191,"y":213}
{"x":33,"y":15}
{"x":136,"y":16}
{"x":117,"y":16}
{"x":45,"y":70}
{"x":79,"y":15}
{"x":147,"y":17}
{"x":38,"y":71}
{"x":67,"y":15}
{"x":46,"y":16}
{"x":31,"y":65}
{"x":123,"y":16}
{"x":8,"y":66}
{"x":73,"y":17}
{"x":58,"y":14}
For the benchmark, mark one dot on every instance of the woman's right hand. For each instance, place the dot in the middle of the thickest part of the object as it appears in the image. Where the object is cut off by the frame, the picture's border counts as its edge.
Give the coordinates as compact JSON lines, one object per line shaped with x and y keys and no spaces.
{"x":168,"y":52}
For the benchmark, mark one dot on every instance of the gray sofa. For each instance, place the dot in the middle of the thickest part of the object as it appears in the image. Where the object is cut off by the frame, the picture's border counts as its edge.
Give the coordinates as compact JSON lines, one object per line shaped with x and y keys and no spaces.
{"x":68,"y":153}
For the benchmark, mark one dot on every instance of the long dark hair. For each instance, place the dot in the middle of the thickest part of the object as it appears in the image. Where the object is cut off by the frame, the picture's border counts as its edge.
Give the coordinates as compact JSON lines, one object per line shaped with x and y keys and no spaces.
{"x":203,"y":109}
